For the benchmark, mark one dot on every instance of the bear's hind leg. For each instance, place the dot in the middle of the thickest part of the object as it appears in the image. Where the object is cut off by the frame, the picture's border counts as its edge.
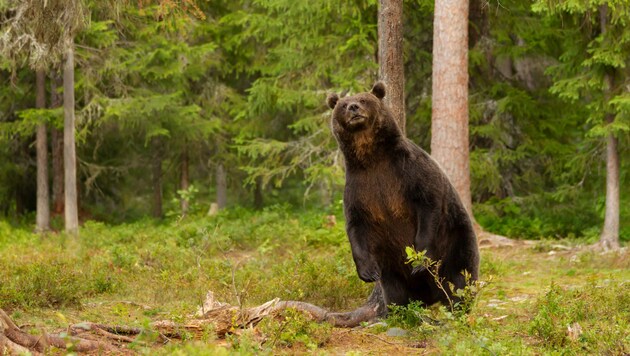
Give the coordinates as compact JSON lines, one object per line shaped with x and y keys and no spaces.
{"x":395,"y":290}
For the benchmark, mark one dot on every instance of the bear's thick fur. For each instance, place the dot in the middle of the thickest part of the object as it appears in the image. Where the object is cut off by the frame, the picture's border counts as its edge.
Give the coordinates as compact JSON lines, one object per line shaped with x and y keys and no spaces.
{"x":396,"y":195}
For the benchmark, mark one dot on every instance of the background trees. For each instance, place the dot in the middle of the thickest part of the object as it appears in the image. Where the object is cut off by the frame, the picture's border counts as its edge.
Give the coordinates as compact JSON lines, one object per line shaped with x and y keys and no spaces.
{"x":176,"y":112}
{"x":590,"y":73}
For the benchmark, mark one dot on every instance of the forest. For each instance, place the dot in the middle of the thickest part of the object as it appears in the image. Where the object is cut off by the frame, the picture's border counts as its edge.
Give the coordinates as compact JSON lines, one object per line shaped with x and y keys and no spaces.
{"x":157,"y":156}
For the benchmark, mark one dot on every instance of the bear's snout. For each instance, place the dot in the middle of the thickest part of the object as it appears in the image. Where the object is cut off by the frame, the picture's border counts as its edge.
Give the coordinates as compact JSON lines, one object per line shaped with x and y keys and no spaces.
{"x":354,"y":107}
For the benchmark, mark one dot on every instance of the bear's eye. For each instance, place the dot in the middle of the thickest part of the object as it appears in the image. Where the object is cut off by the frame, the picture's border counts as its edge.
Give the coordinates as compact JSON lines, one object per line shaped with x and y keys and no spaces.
{"x":344,"y":106}
{"x":362,"y":101}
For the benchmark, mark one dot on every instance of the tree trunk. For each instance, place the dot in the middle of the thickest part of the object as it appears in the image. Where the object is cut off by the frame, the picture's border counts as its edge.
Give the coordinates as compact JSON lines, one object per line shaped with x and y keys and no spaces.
{"x":184,"y":182}
{"x":57,"y":150}
{"x":157,"y":178}
{"x":69,"y":152}
{"x":390,"y":57}
{"x":609,"y":238}
{"x":449,"y":126}
{"x":43,"y":209}
{"x":221,"y":177}
{"x":258,"y":194}
{"x":478,"y":24}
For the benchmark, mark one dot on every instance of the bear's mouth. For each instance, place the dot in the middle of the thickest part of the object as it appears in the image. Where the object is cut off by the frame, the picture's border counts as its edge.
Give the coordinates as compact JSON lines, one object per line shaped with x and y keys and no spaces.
{"x":356,"y":119}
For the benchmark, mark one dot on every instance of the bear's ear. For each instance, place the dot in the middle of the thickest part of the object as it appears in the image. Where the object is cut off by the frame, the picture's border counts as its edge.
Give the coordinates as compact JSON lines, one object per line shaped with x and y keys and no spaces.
{"x":332,"y":99}
{"x":378,"y":90}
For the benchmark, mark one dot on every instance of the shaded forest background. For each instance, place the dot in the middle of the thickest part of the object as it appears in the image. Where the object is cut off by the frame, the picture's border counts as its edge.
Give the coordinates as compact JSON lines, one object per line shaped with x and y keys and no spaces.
{"x":181,"y":106}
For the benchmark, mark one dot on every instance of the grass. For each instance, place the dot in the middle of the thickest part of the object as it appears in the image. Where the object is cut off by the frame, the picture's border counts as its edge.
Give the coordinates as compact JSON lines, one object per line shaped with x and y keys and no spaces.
{"x":552,"y":297}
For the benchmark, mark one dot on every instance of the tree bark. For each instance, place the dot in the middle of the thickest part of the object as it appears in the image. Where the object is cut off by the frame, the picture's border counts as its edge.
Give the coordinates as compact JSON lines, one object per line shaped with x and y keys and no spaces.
{"x":390,"y":57}
{"x":43,"y":201}
{"x":478,"y":24}
{"x":157,"y":178}
{"x":449,"y":126}
{"x":69,"y":150}
{"x":221,"y":177}
{"x":184,"y":181}
{"x":57,"y":150}
{"x":609,"y":238}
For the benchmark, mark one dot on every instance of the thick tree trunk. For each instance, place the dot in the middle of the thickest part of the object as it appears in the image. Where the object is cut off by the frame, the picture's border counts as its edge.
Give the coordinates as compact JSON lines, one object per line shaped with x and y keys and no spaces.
{"x":184,"y":182}
{"x":57,"y":150}
{"x":609,"y":238}
{"x":221,"y":177}
{"x":390,"y":56}
{"x":449,"y":127}
{"x":43,"y":209}
{"x":69,"y":150}
{"x":157,"y":178}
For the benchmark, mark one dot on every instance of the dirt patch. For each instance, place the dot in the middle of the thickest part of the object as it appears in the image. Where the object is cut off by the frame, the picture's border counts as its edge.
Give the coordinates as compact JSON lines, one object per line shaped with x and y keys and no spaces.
{"x":345,"y":340}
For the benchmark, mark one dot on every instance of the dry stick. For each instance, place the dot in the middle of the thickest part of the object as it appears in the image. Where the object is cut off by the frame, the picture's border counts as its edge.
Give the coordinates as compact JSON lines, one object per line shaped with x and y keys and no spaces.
{"x":133,"y":304}
{"x":115,"y":337}
{"x":119,"y":329}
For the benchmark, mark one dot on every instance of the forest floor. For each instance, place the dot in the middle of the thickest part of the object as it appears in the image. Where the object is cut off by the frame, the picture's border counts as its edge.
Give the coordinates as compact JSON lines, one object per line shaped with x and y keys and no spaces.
{"x":539,"y":297}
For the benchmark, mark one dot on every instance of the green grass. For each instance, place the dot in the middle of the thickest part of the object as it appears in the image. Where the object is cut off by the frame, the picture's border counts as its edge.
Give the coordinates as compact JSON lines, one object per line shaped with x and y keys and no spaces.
{"x":133,"y":274}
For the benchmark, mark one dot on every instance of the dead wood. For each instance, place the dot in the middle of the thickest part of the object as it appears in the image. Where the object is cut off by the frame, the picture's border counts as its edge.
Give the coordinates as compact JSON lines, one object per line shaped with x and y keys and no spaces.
{"x":486,"y":239}
{"x":219,"y":317}
{"x":11,"y":335}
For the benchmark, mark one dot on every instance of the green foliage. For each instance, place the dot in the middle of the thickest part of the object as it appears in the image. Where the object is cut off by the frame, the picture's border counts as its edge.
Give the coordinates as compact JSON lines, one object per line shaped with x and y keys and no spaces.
{"x":33,"y":280}
{"x":286,"y":131}
{"x":292,"y":328}
{"x":183,"y":258}
{"x":244,"y":85}
{"x":586,"y":319}
{"x":415,"y":317}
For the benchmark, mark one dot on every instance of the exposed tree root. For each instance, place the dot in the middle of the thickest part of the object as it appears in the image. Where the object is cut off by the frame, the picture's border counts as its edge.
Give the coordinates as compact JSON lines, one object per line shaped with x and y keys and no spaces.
{"x":13,"y":340}
{"x":487,"y":239}
{"x":220,"y":317}
{"x":372,"y":309}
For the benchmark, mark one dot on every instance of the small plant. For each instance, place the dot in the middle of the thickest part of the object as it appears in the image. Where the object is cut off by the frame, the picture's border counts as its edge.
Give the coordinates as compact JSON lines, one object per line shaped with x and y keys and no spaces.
{"x":414,"y":317}
{"x":246,"y":343}
{"x":465,"y":298}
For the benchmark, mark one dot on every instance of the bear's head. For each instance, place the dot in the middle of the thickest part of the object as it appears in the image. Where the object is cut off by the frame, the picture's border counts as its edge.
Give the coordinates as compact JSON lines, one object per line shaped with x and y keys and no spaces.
{"x":357,"y":112}
{"x":363,"y":125}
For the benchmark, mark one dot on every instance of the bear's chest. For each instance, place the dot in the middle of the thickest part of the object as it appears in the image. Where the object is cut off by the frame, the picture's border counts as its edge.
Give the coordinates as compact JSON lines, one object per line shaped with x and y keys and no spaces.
{"x":381,"y":195}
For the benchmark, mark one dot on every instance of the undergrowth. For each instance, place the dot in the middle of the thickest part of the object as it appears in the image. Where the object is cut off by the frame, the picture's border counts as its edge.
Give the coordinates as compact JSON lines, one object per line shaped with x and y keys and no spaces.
{"x":550,"y":298}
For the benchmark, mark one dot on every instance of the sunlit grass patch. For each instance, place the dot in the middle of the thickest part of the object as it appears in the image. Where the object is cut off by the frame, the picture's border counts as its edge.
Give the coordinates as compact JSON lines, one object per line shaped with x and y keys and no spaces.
{"x":593,"y":318}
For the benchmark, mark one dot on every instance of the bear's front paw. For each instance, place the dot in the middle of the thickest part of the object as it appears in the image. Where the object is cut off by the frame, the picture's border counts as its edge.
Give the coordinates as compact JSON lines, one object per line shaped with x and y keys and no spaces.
{"x":369,"y":273}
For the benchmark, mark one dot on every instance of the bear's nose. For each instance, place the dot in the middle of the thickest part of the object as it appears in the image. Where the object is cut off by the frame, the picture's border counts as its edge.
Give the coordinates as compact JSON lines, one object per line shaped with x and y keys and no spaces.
{"x":353,"y":107}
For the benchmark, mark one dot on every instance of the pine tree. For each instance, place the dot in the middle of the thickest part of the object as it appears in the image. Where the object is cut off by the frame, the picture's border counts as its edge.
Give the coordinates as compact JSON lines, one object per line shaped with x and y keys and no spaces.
{"x":449,"y":125}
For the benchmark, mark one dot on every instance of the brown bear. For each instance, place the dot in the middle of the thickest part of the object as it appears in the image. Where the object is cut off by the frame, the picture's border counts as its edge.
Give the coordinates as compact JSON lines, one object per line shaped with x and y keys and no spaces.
{"x":395,"y":196}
